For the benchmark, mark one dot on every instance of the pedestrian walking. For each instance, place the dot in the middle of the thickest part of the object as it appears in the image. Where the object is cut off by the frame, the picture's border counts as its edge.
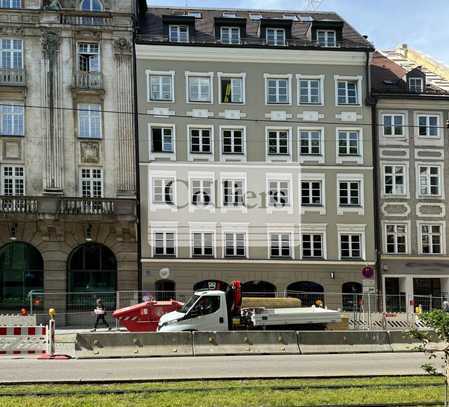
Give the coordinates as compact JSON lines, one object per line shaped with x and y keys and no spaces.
{"x":100,"y":312}
{"x":446,"y":306}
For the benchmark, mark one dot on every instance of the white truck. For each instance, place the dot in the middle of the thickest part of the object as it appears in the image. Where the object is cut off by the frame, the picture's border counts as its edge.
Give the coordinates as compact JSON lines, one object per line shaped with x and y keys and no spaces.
{"x":215,"y":310}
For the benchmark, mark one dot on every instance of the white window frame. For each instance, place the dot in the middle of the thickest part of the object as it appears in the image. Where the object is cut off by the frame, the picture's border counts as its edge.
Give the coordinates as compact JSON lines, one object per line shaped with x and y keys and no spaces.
{"x":326,"y":38}
{"x":192,"y":156}
{"x":166,"y":175}
{"x":318,"y":158}
{"x":203,"y":227}
{"x":202,"y":176}
{"x":352,"y":229}
{"x":404,"y":165}
{"x":413,"y":81}
{"x":442,"y":225}
{"x":434,"y":141}
{"x":359,"y":210}
{"x":313,"y":229}
{"x":320,"y":78}
{"x":209,"y":75}
{"x":276,"y":31}
{"x":232,"y":156}
{"x":163,"y":227}
{"x":9,"y":4}
{"x":224,"y":75}
{"x":428,"y":116}
{"x":393,"y":115}
{"x":278,"y":157}
{"x":291,"y":246}
{"x":7,"y":105}
{"x":12,"y":51}
{"x":89,"y":108}
{"x":358,"y":79}
{"x":158,"y":155}
{"x":407,"y":237}
{"x":14,"y":178}
{"x":340,"y":159}
{"x":233,"y":176}
{"x":279,"y":177}
{"x":230,"y":28}
{"x":171,"y":74}
{"x":98,"y":54}
{"x":178,"y":33}
{"x":307,"y":177}
{"x":91,"y":180}
{"x":235,"y":228}
{"x":287,"y":77}
{"x":440,"y":167}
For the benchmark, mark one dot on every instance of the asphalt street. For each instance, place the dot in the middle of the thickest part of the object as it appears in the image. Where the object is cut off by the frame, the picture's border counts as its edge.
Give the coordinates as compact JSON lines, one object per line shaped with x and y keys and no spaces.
{"x":212,"y":367}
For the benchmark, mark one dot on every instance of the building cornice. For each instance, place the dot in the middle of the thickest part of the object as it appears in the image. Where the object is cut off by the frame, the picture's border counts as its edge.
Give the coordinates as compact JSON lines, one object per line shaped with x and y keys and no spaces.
{"x":256,"y":55}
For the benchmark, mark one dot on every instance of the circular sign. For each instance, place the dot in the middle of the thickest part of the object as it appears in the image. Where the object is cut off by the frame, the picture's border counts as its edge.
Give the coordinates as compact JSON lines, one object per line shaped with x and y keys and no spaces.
{"x":368,"y":272}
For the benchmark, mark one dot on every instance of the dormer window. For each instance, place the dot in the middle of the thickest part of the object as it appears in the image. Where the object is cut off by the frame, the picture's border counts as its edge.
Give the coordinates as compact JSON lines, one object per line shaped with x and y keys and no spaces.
{"x":326,"y":38}
{"x":230,"y":35}
{"x":275,"y":36}
{"x":229,"y":15}
{"x":178,"y":33}
{"x":416,"y":85}
{"x":10,"y":3}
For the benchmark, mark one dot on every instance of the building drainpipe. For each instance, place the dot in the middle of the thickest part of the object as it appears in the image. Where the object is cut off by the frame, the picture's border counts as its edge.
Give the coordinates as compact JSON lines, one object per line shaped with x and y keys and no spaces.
{"x":372,"y":101}
{"x":137,"y":162}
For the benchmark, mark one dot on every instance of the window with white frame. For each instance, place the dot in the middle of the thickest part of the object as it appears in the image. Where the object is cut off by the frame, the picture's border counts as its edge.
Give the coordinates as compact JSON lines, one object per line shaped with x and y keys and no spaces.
{"x":312,"y":245}
{"x":393,"y":125}
{"x":310,"y":142}
{"x":431,"y":239}
{"x":91,"y":182}
{"x":278,"y":193}
{"x":91,"y":5}
{"x":349,"y":193}
{"x":89,"y":121}
{"x":416,"y":85}
{"x":347,"y":92}
{"x":396,"y":238}
{"x":164,"y":244}
{"x":230,"y":35}
{"x":178,"y":33}
{"x":12,"y":119}
{"x":349,"y":143}
{"x":394,"y":179}
{"x":233,"y":141}
{"x":429,"y":180}
{"x":11,"y":53}
{"x":13,"y":180}
{"x":88,"y":57}
{"x":200,"y":140}
{"x":311,"y":193}
{"x":235,"y":244}
{"x":163,"y":192}
{"x":201,"y":191}
{"x":202,"y":244}
{"x":428,"y":125}
{"x":326,"y":38}
{"x":162,"y":140}
{"x":278,"y":142}
{"x":278,"y":90}
{"x":280,"y":245}
{"x":233,"y":192}
{"x":351,"y":246}
{"x":275,"y":36}
{"x":231,"y":89}
{"x":10,"y":3}
{"x":200,"y":89}
{"x":160,"y":87}
{"x":309,"y":91}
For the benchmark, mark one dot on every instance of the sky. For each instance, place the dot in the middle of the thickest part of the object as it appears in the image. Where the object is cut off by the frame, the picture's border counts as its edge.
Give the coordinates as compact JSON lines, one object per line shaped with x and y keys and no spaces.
{"x":422,"y":24}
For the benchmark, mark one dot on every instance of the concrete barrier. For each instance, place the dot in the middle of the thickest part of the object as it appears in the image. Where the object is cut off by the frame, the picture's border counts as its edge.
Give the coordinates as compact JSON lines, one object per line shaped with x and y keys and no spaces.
{"x":403,"y":342}
{"x":245,"y":343}
{"x":343,"y":341}
{"x":128,"y":344}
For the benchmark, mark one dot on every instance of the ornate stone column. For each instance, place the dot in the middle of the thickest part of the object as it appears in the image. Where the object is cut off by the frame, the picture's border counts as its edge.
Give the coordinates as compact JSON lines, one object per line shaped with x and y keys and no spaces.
{"x":52,"y":113}
{"x":126,"y":184}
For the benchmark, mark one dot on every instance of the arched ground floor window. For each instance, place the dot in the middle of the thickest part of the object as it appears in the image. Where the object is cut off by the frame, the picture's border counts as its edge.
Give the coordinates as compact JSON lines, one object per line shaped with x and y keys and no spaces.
{"x":308,"y":292}
{"x":258,"y":289}
{"x":352,"y":296}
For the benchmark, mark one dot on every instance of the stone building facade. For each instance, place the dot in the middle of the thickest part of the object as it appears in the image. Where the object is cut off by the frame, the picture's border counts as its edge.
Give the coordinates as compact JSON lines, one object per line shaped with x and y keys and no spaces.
{"x":67,"y":151}
{"x":255,"y":153}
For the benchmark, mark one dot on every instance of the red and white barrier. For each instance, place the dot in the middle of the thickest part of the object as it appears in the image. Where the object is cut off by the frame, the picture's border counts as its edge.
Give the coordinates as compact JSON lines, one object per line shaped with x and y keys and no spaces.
{"x":17,"y":340}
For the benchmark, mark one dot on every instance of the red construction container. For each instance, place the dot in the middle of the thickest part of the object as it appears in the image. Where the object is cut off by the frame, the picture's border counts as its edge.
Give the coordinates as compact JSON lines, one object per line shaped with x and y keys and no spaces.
{"x":145,"y":317}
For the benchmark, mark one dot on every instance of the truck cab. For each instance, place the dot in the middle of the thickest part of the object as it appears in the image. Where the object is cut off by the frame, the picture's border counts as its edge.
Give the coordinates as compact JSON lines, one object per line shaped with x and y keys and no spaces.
{"x":204,"y":311}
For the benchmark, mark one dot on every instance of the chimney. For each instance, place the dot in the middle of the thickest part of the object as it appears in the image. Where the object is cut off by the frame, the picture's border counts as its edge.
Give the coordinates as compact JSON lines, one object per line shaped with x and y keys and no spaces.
{"x":403,"y":50}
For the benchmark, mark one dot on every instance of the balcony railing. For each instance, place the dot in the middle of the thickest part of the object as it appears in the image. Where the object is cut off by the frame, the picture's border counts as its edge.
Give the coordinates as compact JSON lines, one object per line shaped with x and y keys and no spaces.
{"x":19,"y":204}
{"x":12,"y":77}
{"x":89,"y":80}
{"x":62,"y":206}
{"x":86,"y":18}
